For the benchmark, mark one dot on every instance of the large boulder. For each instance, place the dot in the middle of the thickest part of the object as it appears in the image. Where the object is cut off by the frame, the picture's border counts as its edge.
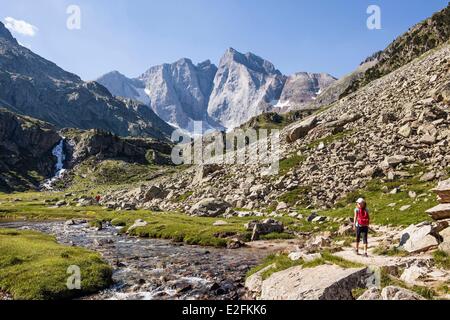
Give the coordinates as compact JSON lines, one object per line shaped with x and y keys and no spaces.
{"x":394,"y":161}
{"x":440,"y":212}
{"x":209,"y":207}
{"x":418,"y":238}
{"x":26,"y":146}
{"x":397,"y":293}
{"x":325,"y":282}
{"x":267,"y":226}
{"x":371,"y":294}
{"x":302,"y":129}
{"x":203,"y":171}
{"x":137,"y":224}
{"x":253,"y":284}
{"x":445,"y":245}
{"x":154,"y":192}
{"x":443,"y":191}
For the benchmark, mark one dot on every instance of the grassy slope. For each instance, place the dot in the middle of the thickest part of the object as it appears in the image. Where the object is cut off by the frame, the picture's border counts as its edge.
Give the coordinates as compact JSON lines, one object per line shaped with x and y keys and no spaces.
{"x":379,"y":201}
{"x":34,"y":266}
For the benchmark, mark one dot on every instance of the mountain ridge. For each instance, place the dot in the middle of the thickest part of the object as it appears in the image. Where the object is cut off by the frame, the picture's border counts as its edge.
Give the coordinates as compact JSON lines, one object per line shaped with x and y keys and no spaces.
{"x":36,"y":87}
{"x":241,"y":87}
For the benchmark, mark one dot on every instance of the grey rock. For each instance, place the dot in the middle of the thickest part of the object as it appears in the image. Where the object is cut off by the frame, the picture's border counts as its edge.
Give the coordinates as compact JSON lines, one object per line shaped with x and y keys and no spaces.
{"x":325,"y":282}
{"x":397,"y":293}
{"x":418,"y":238}
{"x":209,"y":207}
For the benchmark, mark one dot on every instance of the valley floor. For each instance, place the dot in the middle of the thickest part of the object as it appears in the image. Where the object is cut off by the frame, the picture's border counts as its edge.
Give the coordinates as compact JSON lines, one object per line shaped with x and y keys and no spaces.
{"x":327,"y":239}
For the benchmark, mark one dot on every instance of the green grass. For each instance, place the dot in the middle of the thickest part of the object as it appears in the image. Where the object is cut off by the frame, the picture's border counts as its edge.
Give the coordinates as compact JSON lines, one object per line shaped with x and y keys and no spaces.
{"x":442,"y":259}
{"x":290,"y":162}
{"x":112,"y":174}
{"x":329,"y":139}
{"x":282,"y":262}
{"x":40,"y":206}
{"x":391,"y":252}
{"x":298,"y":195}
{"x":328,"y":257}
{"x":188,"y":229}
{"x":33,"y":266}
{"x":379,"y":201}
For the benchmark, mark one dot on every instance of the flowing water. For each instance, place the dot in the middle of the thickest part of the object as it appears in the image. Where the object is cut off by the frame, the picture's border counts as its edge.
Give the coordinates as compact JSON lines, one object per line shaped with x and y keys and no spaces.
{"x":58,"y":153}
{"x":149,"y":269}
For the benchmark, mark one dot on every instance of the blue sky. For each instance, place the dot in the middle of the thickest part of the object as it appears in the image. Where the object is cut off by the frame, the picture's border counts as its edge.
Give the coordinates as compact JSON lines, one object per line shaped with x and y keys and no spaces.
{"x":130,"y":36}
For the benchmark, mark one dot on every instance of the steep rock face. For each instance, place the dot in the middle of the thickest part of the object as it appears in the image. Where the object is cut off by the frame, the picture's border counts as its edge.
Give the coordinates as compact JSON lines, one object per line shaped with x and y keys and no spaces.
{"x":36,"y":87}
{"x":121,"y":86}
{"x":104,"y":145}
{"x":25,"y":151}
{"x":179,"y":92}
{"x":302,"y":88}
{"x":244,"y":86}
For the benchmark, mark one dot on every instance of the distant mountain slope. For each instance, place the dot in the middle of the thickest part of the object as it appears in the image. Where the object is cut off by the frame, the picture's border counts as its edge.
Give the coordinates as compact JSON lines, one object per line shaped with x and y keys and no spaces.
{"x":33,"y":86}
{"x":302,"y":88}
{"x":121,"y":86}
{"x":419,"y":39}
{"x":25,"y":151}
{"x":177,"y":92}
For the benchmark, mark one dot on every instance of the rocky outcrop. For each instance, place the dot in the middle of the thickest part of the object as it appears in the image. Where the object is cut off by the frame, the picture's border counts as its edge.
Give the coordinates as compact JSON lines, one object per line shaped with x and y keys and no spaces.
{"x":397,"y":293}
{"x":301,"y":89}
{"x":302,"y":129}
{"x":390,"y":293}
{"x":325,"y":282}
{"x":26,"y":146}
{"x":324,"y":163}
{"x":418,"y":238}
{"x":209,"y":207}
{"x":264,"y":227}
{"x":179,"y":92}
{"x":334,"y":91}
{"x":104,"y":145}
{"x":38,"y":88}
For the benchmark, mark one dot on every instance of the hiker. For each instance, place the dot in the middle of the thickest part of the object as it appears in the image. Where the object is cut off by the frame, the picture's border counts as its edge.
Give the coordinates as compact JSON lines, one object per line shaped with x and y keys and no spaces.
{"x":361,"y":224}
{"x":98,"y":198}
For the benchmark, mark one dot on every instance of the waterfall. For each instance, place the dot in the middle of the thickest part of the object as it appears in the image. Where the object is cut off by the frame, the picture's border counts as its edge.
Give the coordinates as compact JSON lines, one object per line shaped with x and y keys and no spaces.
{"x":58,"y":152}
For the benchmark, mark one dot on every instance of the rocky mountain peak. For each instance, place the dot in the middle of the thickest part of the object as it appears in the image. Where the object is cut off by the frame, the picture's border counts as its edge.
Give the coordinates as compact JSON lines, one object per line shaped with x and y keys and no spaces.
{"x":6,"y":34}
{"x":249,"y":60}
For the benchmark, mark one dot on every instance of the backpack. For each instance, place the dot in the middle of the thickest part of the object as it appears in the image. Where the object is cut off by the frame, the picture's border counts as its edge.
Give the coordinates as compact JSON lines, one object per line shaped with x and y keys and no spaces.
{"x":363,"y":218}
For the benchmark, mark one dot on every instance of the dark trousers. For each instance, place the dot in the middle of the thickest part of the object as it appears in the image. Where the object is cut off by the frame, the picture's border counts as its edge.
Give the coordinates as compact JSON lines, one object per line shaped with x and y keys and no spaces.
{"x":361,"y":231}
